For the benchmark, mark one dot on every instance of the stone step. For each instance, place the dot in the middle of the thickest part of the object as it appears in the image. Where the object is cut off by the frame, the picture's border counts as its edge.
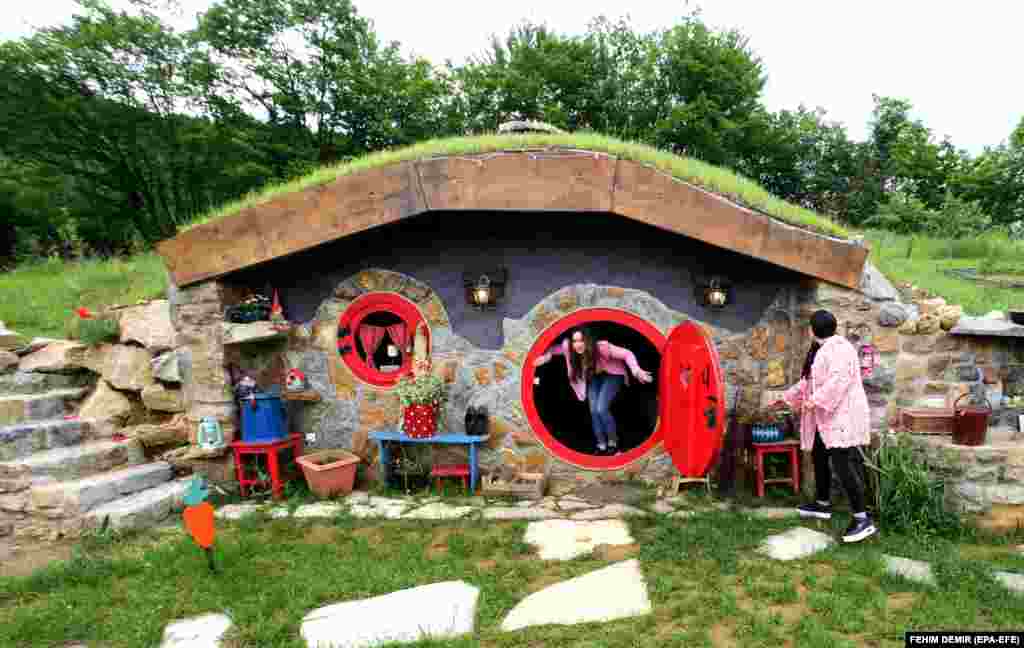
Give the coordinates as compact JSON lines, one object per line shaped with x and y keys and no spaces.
{"x":143,"y":509}
{"x":22,"y":440}
{"x":28,"y":382}
{"x":82,"y":495}
{"x":19,"y":408}
{"x":78,"y":461}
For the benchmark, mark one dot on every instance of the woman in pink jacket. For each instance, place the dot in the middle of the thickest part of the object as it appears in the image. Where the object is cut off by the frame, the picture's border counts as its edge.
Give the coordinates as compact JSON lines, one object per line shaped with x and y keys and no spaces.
{"x":834,"y":421}
{"x":596,"y":372}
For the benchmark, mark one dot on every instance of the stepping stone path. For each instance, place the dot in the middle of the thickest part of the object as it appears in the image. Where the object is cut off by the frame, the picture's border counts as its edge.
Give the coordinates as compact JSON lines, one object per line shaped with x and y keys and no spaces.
{"x":615,"y":592}
{"x":796,"y":543}
{"x":921,"y":572}
{"x":567,"y":539}
{"x":439,"y":610}
{"x":198,"y":632}
{"x":913,"y":570}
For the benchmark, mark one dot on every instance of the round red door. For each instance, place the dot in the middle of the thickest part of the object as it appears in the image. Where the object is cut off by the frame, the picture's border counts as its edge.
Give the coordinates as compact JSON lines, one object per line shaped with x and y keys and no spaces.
{"x":691,"y":401}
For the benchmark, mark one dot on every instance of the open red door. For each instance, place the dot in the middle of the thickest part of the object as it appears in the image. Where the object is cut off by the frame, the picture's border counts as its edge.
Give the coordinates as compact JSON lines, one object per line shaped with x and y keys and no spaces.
{"x":691,"y":400}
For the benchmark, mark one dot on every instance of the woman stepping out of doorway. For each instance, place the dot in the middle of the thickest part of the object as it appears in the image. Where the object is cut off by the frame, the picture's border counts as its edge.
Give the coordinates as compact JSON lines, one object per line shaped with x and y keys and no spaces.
{"x":597,"y":371}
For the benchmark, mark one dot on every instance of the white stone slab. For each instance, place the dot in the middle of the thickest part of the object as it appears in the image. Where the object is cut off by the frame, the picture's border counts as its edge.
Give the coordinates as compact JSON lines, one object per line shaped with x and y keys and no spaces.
{"x":358,"y":497}
{"x":795,"y":543}
{"x":682,"y":514}
{"x":609,"y":511}
{"x":914,"y":570}
{"x":280,"y":512}
{"x":575,"y":505}
{"x":197,"y":632}
{"x":236,"y":511}
{"x":439,"y":511}
{"x":1011,"y":581}
{"x":515,"y":513}
{"x":615,"y":592}
{"x":318,"y":510}
{"x":663,"y":507}
{"x":773,"y":512}
{"x":389,"y":511}
{"x":439,"y":610}
{"x":567,"y":539}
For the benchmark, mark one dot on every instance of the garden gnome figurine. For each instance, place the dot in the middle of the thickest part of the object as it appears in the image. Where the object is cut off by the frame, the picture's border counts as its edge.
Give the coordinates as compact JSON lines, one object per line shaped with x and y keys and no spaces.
{"x":420,"y":352}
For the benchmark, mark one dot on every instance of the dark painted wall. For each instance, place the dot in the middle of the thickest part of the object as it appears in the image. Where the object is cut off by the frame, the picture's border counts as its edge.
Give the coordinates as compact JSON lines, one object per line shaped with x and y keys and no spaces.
{"x":542,"y":251}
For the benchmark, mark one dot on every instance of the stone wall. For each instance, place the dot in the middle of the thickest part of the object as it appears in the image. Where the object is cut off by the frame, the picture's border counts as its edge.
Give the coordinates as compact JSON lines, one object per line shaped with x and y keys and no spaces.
{"x":765,"y":356}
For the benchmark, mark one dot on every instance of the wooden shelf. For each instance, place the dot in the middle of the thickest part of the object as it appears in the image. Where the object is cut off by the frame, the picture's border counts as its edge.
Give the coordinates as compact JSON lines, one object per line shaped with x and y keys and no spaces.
{"x":306,"y":395}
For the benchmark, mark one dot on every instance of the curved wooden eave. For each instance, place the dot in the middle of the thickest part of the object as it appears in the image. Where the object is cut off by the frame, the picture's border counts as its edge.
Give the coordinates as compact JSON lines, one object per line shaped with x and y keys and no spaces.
{"x":577,"y":181}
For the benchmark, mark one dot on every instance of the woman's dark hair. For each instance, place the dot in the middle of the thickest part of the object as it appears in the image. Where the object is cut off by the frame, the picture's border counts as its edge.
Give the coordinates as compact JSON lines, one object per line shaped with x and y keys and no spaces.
{"x":809,"y":360}
{"x":582,"y":365}
{"x":823,"y":323}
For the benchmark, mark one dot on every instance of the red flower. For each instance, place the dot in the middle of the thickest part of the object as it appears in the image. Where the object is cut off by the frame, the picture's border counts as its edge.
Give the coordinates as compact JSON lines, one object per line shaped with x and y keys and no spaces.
{"x":84,"y":313}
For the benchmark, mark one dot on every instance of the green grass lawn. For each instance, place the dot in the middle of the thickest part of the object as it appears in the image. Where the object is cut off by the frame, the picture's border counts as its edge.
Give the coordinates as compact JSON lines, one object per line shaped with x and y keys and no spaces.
{"x":707,"y":585}
{"x":929,"y":257}
{"x":39,"y":299}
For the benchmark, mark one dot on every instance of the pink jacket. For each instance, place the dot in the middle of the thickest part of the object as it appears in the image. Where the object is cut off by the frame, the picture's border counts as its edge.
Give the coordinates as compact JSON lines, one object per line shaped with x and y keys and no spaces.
{"x":610,"y":359}
{"x":841,"y":411}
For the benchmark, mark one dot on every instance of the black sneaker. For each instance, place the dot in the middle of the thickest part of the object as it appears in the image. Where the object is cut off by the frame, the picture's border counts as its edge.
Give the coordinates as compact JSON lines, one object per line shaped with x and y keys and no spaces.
{"x":859,"y":529}
{"x":815,"y":510}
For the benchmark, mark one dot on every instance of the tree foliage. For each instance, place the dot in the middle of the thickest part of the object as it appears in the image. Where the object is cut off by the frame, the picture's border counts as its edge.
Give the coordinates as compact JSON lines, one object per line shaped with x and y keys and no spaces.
{"x":116,"y":128}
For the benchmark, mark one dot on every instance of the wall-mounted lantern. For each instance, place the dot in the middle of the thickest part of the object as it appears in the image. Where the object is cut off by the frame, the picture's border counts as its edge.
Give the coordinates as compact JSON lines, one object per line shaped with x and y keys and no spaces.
{"x":485,"y":289}
{"x":716,"y":294}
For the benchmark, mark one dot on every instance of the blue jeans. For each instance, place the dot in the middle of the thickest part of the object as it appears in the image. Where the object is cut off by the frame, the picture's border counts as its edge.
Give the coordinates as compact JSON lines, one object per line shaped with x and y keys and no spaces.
{"x":600,"y":393}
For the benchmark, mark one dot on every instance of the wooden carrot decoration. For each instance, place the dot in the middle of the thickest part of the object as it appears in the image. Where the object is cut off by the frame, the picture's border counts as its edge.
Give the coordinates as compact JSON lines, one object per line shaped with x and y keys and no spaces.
{"x":198,"y":516}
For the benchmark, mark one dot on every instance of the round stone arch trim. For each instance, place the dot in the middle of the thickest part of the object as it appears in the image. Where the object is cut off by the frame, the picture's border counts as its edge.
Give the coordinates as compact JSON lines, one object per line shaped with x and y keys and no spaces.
{"x":361,"y":308}
{"x":542,"y":344}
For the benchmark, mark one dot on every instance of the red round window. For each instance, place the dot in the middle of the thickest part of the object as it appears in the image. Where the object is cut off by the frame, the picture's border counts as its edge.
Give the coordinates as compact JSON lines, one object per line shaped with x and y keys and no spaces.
{"x":375,"y":337}
{"x":562,"y":423}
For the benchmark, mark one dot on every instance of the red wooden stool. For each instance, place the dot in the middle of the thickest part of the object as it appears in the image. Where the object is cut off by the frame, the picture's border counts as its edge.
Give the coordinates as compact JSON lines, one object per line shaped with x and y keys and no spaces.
{"x":791,"y":447}
{"x":269,"y":450}
{"x":450,"y":470}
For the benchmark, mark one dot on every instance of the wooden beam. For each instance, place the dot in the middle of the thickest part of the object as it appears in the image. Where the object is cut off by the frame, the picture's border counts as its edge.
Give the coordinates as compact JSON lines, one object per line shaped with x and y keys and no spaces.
{"x":523,"y":181}
{"x":656,"y":198}
{"x":293,"y":222}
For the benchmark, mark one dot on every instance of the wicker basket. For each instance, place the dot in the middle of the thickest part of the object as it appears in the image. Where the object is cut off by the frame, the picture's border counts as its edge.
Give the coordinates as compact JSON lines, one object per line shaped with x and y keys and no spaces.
{"x":927,"y":420}
{"x":525,"y":486}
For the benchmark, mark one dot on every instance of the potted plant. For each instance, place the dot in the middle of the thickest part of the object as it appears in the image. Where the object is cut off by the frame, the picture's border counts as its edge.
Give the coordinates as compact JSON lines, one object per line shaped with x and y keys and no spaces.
{"x":329,"y":472}
{"x":423,"y":398}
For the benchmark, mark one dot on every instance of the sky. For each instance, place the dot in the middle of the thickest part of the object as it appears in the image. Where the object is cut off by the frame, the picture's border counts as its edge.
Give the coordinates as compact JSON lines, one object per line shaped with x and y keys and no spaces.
{"x":957,"y":63}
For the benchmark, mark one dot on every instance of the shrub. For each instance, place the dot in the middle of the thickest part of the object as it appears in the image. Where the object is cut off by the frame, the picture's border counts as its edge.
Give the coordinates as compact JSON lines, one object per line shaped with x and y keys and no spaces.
{"x":906,"y":497}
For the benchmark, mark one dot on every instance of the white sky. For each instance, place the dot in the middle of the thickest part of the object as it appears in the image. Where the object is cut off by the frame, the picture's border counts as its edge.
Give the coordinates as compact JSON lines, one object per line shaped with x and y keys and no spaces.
{"x":957,"y":63}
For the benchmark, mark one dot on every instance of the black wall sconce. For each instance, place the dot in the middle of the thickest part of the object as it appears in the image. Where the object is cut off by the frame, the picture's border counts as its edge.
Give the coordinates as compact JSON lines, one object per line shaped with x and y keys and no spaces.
{"x":715,"y":293}
{"x":486,"y":288}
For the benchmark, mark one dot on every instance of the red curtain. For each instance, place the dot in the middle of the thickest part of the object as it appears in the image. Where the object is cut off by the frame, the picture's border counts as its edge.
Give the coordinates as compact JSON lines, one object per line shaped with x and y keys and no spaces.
{"x":371,"y":337}
{"x":398,"y":336}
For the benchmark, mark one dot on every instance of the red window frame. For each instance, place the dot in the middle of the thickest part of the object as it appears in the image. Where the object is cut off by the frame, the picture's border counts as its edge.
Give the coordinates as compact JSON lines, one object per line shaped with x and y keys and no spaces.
{"x":358,"y":311}
{"x":543,"y":343}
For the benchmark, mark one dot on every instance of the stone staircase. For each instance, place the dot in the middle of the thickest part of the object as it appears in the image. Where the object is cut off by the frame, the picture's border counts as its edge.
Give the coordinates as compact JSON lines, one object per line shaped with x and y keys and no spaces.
{"x":60,"y":475}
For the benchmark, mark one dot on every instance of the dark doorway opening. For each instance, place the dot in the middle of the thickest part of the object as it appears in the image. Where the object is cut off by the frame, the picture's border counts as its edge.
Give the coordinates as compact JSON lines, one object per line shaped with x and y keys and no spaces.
{"x":635,"y":408}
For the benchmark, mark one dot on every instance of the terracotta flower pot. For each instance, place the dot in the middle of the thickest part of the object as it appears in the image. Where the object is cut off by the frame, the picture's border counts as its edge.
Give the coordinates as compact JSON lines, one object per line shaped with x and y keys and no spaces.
{"x":420,"y":421}
{"x":329,"y":472}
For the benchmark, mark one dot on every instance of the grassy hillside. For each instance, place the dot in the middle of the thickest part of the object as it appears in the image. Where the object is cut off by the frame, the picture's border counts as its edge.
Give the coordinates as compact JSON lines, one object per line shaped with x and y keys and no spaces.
{"x":992,"y":256}
{"x":39,"y":299}
{"x":716,"y":179}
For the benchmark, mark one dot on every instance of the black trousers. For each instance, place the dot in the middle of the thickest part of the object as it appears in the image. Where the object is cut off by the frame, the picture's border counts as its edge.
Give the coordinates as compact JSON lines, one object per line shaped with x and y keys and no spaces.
{"x":843,"y":460}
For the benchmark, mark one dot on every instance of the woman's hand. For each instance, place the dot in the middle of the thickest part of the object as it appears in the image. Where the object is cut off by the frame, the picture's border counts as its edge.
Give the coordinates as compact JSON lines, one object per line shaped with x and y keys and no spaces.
{"x":807,"y":407}
{"x":643,"y":376}
{"x":540,"y":360}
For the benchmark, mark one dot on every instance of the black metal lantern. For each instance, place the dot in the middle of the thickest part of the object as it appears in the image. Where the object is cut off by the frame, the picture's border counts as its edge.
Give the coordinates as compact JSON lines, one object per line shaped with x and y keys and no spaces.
{"x":717,"y":294}
{"x":485,"y":289}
